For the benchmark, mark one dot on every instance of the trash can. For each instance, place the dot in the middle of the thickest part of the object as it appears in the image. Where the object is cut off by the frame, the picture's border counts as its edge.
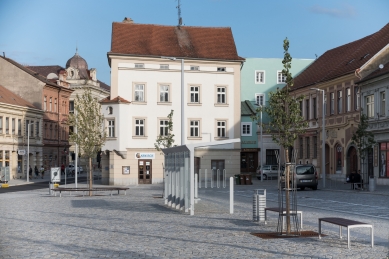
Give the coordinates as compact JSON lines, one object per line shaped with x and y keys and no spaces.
{"x":259,"y":205}
{"x":248,"y":179}
{"x":237,"y":179}
{"x":372,"y":184}
{"x":242,"y":179}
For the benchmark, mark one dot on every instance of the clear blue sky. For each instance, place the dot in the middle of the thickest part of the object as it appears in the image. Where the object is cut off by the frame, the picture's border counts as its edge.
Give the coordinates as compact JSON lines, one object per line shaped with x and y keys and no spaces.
{"x":46,"y":32}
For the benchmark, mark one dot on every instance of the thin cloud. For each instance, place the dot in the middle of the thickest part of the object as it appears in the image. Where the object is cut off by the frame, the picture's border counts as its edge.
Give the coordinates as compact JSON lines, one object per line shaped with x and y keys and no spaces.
{"x":347,"y":11}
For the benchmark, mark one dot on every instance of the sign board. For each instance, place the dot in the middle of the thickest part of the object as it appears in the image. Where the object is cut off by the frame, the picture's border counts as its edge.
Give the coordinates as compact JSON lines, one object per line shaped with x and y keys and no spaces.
{"x":144,"y":155}
{"x":21,"y":152}
{"x":55,"y":174}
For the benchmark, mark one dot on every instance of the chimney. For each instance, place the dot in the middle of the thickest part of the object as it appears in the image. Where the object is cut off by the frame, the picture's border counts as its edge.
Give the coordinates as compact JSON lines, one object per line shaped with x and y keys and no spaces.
{"x":128,"y":20}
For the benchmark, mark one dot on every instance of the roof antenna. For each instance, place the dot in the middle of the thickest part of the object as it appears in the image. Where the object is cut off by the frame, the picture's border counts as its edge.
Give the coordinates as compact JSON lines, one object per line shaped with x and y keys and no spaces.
{"x":179,"y":14}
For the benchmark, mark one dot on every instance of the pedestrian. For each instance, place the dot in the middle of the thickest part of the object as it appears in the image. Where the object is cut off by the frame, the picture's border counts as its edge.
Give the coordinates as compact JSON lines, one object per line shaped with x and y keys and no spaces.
{"x":63,"y":169}
{"x":30,"y":173}
{"x":42,"y":172}
{"x":36,"y":172}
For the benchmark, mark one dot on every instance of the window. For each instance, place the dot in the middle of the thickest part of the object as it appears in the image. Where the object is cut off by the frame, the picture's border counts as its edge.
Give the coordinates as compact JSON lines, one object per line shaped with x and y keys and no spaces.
{"x":50,"y":105}
{"x":314,"y":108}
{"x":246,"y":128}
{"x":314,"y":147}
{"x":71,"y":106}
{"x":384,"y":157}
{"x":221,"y":129}
{"x":111,"y":128}
{"x":194,"y":94}
{"x":45,"y":103}
{"x":6,"y":125}
{"x":139,"y":65}
{"x":19,"y":127}
{"x":51,"y":132}
{"x":356,"y":98}
{"x":37,"y":128}
{"x":221,"y":69}
{"x":301,"y":148}
{"x":281,"y":78}
{"x":259,"y":77}
{"x":55,"y":105}
{"x":260,"y":99}
{"x":301,"y":108}
{"x":382,"y":108}
{"x":13,"y":126}
{"x":307,"y":109}
{"x":339,"y":102}
{"x":164,"y":66}
{"x":31,"y":128}
{"x":370,"y":106}
{"x":110,"y":110}
{"x":196,"y":68}
{"x":163,"y":127}
{"x":27,"y":122}
{"x":332,"y":99}
{"x":221,"y":95}
{"x":194,"y":128}
{"x":139,"y":127}
{"x":139,"y":93}
{"x":1,"y":124}
{"x":325,"y":105}
{"x":164,"y":93}
{"x":308,"y":147}
{"x":348,"y":99}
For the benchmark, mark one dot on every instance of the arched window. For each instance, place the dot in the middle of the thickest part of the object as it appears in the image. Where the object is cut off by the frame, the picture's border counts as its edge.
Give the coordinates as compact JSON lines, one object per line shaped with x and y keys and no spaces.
{"x":46,"y":132}
{"x":110,"y":110}
{"x":51,"y":132}
{"x":338,"y":157}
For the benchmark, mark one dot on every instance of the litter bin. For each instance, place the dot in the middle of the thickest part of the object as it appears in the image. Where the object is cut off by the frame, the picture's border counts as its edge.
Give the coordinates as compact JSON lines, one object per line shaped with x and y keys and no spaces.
{"x":259,"y":205}
{"x":248,"y":179}
{"x":372,"y":183}
{"x":242,"y":179}
{"x":237,"y":179}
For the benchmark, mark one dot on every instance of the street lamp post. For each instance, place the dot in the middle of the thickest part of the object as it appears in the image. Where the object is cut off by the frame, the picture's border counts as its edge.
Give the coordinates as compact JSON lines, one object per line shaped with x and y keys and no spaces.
{"x":323,"y":157}
{"x":261,"y":156}
{"x":28,"y":152}
{"x":182,"y":98}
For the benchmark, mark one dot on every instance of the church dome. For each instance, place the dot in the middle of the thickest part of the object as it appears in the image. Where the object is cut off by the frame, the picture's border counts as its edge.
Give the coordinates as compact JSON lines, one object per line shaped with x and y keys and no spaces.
{"x":79,"y":63}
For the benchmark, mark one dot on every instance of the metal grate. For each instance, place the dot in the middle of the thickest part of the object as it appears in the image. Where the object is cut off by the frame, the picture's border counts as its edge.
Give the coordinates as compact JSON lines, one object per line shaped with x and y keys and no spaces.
{"x":271,"y":235}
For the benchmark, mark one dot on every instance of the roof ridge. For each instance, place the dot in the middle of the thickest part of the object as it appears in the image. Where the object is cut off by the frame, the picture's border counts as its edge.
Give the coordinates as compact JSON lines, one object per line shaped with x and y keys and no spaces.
{"x":162,"y":25}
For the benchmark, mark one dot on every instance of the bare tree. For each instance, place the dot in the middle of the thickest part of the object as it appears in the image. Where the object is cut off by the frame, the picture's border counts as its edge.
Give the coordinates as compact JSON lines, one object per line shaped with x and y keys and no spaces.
{"x":91,"y":133}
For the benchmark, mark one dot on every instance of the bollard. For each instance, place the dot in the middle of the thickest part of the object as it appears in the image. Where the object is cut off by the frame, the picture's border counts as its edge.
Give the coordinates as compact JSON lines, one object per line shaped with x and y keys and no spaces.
{"x":231,"y":195}
{"x":196,"y":188}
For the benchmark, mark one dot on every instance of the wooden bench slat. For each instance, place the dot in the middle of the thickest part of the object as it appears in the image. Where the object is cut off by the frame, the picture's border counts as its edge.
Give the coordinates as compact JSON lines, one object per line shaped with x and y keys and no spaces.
{"x":342,"y":221}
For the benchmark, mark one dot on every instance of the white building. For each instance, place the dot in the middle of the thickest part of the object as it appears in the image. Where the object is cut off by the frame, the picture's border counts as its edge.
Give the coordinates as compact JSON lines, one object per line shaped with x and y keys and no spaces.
{"x":145,"y":87}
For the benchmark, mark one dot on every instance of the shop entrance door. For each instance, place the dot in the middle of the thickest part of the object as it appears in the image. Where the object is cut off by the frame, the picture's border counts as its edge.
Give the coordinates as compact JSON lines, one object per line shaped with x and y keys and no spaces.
{"x":145,"y":171}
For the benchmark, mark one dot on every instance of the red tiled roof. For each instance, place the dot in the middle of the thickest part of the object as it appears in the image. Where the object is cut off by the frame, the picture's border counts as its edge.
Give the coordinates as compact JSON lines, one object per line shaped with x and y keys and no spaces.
{"x":117,"y":99}
{"x":343,"y":60}
{"x":104,"y":86}
{"x":6,"y":96}
{"x":46,"y":70}
{"x":180,"y":42}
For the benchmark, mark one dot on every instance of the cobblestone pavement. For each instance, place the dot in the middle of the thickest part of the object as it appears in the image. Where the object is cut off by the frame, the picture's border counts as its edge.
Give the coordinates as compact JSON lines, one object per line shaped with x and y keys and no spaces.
{"x":37,"y":225}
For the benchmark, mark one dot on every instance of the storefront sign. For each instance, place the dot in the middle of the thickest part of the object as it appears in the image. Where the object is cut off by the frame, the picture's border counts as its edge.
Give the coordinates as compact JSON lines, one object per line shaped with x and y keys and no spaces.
{"x":249,"y":142}
{"x":250,"y":149}
{"x":125,"y":170}
{"x":144,"y":155}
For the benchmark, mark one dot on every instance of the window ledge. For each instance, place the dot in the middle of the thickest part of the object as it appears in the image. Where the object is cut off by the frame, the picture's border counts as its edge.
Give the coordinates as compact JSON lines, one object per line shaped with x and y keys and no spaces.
{"x":164,"y":103}
{"x":139,"y":103}
{"x":194,"y":138}
{"x":139,"y":137}
{"x":112,"y":138}
{"x":194,"y":104}
{"x":221,"y":105}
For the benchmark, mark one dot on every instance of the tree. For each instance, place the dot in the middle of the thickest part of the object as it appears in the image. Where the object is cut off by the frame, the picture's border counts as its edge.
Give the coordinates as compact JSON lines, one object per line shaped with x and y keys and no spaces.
{"x":363,"y":139}
{"x":91,"y":134}
{"x":166,"y":140}
{"x":286,"y":122}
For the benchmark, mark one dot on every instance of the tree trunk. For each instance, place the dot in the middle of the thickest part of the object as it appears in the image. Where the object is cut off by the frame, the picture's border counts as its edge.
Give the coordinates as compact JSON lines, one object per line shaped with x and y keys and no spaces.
{"x":90,"y":176}
{"x":287,"y":186}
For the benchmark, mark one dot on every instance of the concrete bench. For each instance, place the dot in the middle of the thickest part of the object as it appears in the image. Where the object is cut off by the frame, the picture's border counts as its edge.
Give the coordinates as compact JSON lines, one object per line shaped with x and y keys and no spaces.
{"x":349,"y":224}
{"x":276,"y":209}
{"x":99,"y":189}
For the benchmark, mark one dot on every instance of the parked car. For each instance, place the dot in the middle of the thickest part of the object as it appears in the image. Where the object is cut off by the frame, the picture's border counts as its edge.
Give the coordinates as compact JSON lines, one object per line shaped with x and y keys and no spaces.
{"x":71,"y":170}
{"x":306,"y":176}
{"x":269,"y":171}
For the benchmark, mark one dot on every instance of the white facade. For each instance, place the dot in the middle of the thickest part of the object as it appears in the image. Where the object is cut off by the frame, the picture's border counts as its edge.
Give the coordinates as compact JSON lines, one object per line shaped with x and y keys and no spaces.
{"x":213,"y":109}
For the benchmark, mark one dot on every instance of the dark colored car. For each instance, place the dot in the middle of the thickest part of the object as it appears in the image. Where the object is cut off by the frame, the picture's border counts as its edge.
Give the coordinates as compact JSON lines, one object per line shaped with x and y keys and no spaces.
{"x":306,"y":177}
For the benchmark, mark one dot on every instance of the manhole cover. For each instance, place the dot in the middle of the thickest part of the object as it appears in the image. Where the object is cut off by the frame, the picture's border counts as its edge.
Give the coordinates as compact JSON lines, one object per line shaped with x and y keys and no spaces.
{"x":270,"y":235}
